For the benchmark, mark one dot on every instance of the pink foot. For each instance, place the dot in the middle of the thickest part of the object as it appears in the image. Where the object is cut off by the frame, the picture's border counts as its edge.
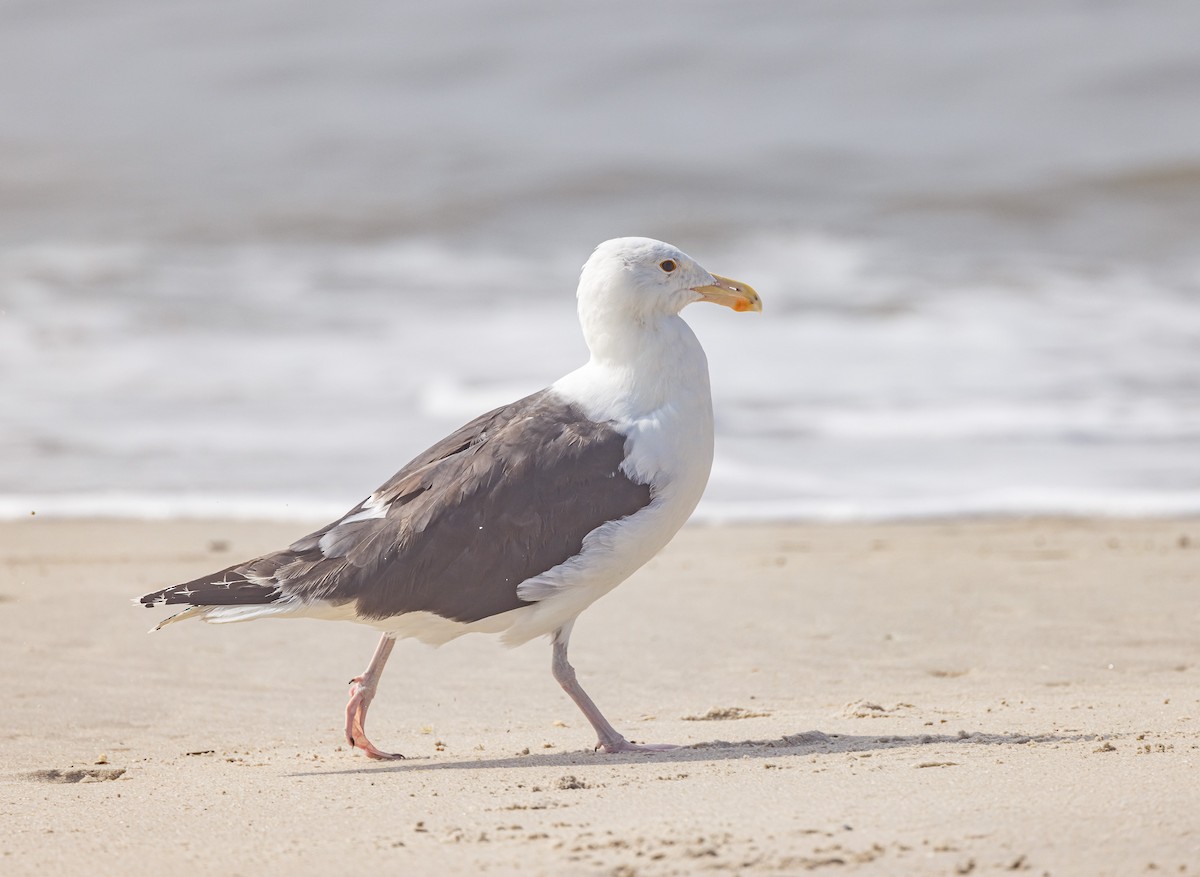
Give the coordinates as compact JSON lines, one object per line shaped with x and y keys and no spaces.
{"x":356,"y":719}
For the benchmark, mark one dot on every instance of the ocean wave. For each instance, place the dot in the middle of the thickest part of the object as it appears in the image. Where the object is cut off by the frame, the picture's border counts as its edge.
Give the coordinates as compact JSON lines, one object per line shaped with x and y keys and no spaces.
{"x":1018,"y":502}
{"x":284,"y":370}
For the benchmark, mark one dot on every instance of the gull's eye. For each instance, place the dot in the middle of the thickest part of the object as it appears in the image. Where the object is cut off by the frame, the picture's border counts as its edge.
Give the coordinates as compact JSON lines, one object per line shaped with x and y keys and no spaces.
{"x":668,"y":265}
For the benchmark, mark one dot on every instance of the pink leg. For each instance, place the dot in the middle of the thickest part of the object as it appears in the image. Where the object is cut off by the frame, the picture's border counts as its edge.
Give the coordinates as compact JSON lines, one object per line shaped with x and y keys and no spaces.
{"x":362,"y":692}
{"x":610,"y":740}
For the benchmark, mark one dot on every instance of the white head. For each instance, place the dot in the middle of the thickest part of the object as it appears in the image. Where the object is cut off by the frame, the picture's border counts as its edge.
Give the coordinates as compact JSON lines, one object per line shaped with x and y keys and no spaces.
{"x":633,"y":283}
{"x":641,"y":280}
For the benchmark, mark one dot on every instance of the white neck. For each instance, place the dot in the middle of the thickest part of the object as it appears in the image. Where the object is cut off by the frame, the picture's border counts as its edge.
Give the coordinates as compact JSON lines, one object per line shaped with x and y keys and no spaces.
{"x":638,"y":368}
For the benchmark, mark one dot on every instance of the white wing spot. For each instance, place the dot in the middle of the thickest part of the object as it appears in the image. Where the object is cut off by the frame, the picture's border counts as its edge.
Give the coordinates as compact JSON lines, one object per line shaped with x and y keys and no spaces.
{"x":370,"y":512}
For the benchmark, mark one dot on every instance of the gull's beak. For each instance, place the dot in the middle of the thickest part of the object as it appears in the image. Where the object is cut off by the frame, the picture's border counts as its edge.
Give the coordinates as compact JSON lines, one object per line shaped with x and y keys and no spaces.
{"x":731,"y":293}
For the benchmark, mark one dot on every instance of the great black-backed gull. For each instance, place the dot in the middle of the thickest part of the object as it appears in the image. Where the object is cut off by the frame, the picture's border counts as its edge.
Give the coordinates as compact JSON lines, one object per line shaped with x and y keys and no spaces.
{"x":518,"y":521}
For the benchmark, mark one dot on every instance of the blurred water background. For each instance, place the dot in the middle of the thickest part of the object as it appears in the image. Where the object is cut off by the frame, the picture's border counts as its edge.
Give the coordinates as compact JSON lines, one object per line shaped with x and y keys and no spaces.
{"x":255,"y":255}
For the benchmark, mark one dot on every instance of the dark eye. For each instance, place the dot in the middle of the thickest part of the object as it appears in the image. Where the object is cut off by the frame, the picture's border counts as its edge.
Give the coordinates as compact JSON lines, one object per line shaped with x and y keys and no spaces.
{"x":668,"y":265}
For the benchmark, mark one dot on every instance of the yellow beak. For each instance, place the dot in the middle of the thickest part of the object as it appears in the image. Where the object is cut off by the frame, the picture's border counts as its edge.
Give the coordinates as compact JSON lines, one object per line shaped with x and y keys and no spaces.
{"x":731,"y":293}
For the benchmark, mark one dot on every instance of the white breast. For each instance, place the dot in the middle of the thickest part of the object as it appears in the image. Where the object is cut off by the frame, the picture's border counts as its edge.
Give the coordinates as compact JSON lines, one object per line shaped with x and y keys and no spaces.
{"x":663,"y":404}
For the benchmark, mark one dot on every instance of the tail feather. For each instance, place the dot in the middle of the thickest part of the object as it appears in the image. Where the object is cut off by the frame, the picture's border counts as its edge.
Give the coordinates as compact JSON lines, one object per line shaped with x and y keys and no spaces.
{"x":190,"y":612}
{"x":230,"y":613}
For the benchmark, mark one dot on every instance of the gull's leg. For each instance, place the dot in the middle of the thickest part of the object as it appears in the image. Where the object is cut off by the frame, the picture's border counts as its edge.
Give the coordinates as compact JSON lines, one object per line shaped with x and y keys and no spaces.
{"x":610,"y":740}
{"x":362,"y":692}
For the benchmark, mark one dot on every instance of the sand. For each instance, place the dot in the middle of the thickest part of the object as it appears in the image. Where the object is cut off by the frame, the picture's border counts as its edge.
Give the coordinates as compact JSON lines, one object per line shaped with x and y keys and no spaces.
{"x":888,"y":699}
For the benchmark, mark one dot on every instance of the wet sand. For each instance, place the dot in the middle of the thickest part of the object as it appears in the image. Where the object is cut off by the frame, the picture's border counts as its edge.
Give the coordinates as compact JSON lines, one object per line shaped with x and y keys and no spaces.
{"x":938,"y":698}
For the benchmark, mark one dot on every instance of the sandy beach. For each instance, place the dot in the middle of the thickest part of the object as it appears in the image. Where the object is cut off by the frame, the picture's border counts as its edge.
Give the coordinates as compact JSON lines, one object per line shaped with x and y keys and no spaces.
{"x":934,"y":698}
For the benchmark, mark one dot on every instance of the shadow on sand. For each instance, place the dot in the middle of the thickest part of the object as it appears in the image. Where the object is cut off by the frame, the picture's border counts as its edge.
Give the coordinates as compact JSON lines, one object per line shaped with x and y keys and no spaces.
{"x":790,"y":745}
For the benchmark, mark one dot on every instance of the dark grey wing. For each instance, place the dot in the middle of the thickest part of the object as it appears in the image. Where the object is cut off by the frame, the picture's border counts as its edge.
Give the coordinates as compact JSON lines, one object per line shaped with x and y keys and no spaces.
{"x":505,"y":498}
